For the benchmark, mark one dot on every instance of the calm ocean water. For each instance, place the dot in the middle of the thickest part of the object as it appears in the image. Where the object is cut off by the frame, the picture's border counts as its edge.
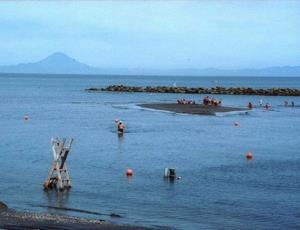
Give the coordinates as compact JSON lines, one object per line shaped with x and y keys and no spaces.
{"x":219,"y":188}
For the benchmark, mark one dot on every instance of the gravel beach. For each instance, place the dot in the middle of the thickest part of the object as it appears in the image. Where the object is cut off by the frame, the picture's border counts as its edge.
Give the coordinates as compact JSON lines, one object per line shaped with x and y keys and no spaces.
{"x":11,"y":219}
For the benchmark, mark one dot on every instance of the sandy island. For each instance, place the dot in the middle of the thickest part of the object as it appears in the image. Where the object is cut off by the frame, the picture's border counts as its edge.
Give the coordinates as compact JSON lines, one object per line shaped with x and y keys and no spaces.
{"x":198,"y":109}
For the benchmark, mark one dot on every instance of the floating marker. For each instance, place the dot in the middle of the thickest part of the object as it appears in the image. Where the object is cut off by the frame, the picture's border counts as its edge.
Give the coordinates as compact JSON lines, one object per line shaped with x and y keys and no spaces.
{"x":249,"y":156}
{"x":129,"y":172}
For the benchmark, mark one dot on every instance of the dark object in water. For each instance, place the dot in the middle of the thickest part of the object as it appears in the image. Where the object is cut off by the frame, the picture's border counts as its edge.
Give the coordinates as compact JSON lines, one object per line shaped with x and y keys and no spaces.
{"x":170,"y":173}
{"x":81,"y":211}
{"x":3,"y":207}
{"x":115,"y":215}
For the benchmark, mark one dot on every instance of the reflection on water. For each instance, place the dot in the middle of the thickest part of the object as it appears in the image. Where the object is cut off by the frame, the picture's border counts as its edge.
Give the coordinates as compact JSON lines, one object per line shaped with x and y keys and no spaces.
{"x":56,"y":198}
{"x":169,"y":180}
{"x":120,"y":140}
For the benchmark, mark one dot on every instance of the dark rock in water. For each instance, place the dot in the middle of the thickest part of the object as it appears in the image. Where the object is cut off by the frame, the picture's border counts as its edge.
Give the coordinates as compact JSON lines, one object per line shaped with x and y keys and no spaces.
{"x":3,"y":207}
{"x":199,"y":90}
{"x":115,"y":215}
{"x":92,"y":89}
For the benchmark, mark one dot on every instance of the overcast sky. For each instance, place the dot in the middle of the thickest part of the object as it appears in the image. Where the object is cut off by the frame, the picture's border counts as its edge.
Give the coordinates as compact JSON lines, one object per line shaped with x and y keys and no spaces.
{"x":153,"y":34}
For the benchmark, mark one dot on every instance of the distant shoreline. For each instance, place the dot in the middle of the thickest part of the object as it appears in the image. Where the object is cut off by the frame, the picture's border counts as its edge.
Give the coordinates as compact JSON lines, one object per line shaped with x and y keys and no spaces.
{"x":197,"y":109}
{"x":144,"y":75}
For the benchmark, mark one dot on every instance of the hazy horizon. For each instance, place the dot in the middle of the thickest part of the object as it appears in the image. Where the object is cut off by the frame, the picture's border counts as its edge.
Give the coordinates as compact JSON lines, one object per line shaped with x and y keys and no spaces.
{"x":77,"y":60}
{"x":153,"y":34}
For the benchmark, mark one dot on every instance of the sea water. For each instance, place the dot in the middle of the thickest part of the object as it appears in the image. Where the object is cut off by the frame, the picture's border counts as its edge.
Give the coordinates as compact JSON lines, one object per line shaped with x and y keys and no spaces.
{"x":218,"y":188}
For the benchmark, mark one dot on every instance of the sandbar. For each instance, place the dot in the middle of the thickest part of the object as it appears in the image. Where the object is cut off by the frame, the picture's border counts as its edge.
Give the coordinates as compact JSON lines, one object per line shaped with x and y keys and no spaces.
{"x":198,"y":109}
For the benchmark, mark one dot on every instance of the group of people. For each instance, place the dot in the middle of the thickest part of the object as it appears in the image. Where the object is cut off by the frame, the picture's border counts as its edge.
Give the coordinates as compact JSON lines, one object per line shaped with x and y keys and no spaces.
{"x":266,"y":106}
{"x":186,"y":102}
{"x":211,"y":101}
{"x":206,"y":101}
{"x":286,"y":104}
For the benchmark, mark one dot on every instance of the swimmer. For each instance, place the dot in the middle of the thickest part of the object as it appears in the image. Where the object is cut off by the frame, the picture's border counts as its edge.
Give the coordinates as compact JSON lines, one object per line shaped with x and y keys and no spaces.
{"x":260,"y":102}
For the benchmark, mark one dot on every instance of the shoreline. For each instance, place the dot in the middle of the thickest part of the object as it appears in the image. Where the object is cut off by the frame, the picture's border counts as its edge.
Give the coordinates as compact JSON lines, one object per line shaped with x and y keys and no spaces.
{"x":12,"y":219}
{"x":196,"y":109}
{"x":200,"y":90}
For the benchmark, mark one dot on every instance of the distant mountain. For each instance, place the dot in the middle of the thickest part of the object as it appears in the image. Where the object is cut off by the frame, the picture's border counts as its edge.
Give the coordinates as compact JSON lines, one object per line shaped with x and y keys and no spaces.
{"x":60,"y":63}
{"x":56,"y":63}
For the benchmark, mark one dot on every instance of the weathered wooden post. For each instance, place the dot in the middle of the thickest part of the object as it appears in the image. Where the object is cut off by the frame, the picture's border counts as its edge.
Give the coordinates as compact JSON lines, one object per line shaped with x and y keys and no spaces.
{"x":58,"y":176}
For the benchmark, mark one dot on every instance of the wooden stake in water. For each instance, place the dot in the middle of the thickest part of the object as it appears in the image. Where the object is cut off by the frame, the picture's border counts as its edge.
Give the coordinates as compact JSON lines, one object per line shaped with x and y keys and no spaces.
{"x":58,"y":176}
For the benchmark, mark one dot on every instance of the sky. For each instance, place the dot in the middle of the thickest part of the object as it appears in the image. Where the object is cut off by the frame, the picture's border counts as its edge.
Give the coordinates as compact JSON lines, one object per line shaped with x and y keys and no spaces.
{"x":153,"y":34}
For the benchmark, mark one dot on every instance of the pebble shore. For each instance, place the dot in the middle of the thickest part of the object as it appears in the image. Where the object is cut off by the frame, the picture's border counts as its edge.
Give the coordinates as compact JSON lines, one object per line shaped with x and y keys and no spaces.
{"x":11,"y":219}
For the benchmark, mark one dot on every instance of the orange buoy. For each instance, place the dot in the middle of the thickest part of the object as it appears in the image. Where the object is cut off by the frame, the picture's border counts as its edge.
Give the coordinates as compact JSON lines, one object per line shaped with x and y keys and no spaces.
{"x":26,"y":118}
{"x":129,"y":172}
{"x":237,"y":124}
{"x":249,"y":156}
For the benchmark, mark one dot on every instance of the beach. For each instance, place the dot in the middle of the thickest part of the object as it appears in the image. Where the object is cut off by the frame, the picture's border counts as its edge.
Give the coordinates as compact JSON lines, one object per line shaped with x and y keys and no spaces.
{"x":11,"y":219}
{"x":197,"y":109}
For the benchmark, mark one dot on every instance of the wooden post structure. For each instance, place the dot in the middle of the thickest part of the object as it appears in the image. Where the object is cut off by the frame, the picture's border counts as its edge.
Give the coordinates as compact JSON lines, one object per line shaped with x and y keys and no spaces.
{"x":58,"y":176}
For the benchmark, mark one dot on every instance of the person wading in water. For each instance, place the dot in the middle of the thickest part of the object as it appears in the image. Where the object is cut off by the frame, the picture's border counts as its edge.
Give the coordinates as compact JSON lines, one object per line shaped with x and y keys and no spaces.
{"x":121,"y":128}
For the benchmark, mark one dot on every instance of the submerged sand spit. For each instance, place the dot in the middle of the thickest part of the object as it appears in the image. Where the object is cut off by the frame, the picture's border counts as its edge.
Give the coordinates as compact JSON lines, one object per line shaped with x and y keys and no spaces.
{"x":198,"y":109}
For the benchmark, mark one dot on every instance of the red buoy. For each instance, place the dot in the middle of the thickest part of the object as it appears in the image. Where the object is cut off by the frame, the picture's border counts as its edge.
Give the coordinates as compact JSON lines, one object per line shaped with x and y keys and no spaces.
{"x":249,"y":156}
{"x":129,"y":172}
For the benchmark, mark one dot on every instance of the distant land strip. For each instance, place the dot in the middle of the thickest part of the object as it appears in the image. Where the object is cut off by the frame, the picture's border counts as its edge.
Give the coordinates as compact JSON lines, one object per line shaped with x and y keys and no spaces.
{"x":200,"y":90}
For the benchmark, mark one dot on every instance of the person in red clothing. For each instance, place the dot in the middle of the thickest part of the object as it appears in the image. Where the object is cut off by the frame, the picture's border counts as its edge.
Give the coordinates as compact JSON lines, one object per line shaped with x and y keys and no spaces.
{"x":250,"y":106}
{"x":267,"y":106}
{"x":121,"y":127}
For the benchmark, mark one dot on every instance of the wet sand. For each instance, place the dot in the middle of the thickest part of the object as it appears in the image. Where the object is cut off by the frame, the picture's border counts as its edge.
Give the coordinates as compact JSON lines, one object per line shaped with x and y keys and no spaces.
{"x":198,"y":109}
{"x":10,"y":219}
